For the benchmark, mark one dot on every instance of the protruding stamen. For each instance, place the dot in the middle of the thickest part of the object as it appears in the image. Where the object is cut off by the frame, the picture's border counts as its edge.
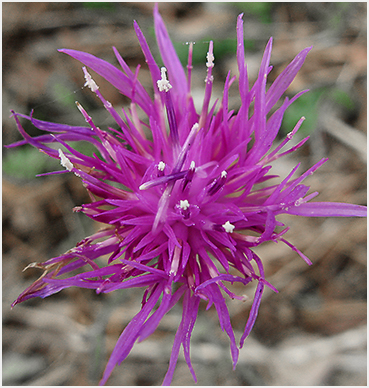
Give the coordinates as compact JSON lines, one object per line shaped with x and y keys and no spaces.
{"x":89,"y":81}
{"x":161,"y":166}
{"x":189,"y":176}
{"x":189,"y":65}
{"x":175,"y":261}
{"x":210,"y":63}
{"x":185,"y":208}
{"x":162,"y":180}
{"x":228,"y":227}
{"x":172,"y":122}
{"x":64,"y":161}
{"x":299,"y":201}
{"x":210,"y":59}
{"x":184,"y":204}
{"x":186,"y":146}
{"x":218,"y":183}
{"x":177,"y":173}
{"x":85,"y":115}
{"x":209,"y":84}
{"x":209,"y":79}
{"x":163,"y":83}
{"x":165,"y":86}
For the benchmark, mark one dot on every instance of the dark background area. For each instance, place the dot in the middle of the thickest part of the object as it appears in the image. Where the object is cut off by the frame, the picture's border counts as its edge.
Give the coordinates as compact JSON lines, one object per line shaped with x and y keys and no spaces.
{"x":314,"y":331}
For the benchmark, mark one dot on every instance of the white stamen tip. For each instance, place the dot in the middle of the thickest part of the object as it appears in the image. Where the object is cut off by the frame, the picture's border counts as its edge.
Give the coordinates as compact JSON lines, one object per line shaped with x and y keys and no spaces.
{"x":163,"y":83}
{"x":299,"y":201}
{"x":223,"y":174}
{"x":209,"y":79}
{"x":161,"y":166}
{"x":184,"y":204}
{"x":89,"y":81}
{"x":64,"y":161}
{"x":228,"y":227}
{"x":210,"y":59}
{"x":192,"y":165}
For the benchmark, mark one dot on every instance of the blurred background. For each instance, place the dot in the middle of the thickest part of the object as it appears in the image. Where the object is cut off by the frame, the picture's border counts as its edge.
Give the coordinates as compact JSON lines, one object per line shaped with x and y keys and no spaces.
{"x":314,"y":331}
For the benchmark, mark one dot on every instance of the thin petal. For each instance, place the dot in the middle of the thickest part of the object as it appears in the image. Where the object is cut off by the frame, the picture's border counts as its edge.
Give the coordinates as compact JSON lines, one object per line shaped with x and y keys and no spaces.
{"x":284,"y":80}
{"x":130,"y":335}
{"x":116,"y":77}
{"x":176,"y":74}
{"x":328,"y":209}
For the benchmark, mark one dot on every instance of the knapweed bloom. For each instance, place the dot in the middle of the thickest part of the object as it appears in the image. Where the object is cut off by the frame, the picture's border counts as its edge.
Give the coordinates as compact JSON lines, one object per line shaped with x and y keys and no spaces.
{"x":184,"y":194}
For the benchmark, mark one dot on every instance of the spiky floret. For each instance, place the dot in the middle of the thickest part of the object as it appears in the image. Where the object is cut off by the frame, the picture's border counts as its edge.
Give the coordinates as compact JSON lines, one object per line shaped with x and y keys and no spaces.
{"x":180,"y":204}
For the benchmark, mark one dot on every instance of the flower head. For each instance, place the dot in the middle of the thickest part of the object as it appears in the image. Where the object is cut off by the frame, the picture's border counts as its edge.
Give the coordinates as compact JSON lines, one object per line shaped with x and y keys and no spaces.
{"x":177,"y":191}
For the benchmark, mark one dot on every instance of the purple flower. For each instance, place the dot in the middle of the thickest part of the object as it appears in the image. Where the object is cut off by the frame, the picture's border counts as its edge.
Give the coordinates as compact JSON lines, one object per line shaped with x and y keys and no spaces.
{"x":177,"y":191}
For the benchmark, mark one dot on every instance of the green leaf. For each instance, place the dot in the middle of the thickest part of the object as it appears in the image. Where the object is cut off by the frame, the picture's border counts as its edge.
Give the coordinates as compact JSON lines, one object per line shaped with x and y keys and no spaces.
{"x":306,"y":105}
{"x":26,"y":162}
{"x":261,"y":9}
{"x":99,"y":5}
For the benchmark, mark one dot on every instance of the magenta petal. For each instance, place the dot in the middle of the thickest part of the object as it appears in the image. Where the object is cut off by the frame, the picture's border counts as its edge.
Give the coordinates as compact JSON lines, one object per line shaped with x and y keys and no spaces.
{"x":253,"y":313}
{"x":328,"y":209}
{"x":165,"y":305}
{"x":170,"y":58}
{"x":183,"y":335}
{"x":114,"y":76}
{"x":284,"y":80}
{"x":129,"y":335}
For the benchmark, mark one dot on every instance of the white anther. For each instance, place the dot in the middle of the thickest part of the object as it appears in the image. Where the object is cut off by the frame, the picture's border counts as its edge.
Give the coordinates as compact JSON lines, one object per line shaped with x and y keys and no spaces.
{"x":223,"y":174}
{"x":161,"y":166}
{"x":228,"y":227}
{"x":89,"y":81}
{"x":184,"y":204}
{"x":64,"y":161}
{"x":209,"y":79}
{"x":210,"y":59}
{"x":299,"y":201}
{"x":163,"y":83}
{"x":192,"y":165}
